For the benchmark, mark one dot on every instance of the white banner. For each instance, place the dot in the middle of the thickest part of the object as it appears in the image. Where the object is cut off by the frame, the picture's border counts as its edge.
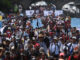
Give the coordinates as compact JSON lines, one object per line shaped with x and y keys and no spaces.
{"x":58,"y":12}
{"x":29,"y":12}
{"x":46,"y":13}
{"x":37,"y":11}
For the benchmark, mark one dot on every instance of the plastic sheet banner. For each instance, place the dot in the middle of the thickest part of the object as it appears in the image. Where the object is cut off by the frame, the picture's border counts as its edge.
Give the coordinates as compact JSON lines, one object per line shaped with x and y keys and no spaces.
{"x":58,"y":12}
{"x":29,"y":13}
{"x":78,"y":29}
{"x":0,"y":17}
{"x":46,"y":13}
{"x":75,"y":22}
{"x":37,"y":11}
{"x":0,"y":24}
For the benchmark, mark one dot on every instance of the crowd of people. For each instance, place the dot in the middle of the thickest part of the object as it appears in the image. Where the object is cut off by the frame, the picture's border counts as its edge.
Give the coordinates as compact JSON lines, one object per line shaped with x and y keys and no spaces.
{"x":48,"y":38}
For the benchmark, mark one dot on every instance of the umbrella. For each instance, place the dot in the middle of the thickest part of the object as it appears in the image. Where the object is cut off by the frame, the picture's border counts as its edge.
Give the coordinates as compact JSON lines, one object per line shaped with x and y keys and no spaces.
{"x":41,"y":3}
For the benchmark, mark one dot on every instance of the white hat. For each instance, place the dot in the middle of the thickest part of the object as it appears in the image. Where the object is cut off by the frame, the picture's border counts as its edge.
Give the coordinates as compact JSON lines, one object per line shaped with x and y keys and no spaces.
{"x":9,"y":39}
{"x":55,"y":38}
{"x":12,"y":36}
{"x":21,"y":27}
{"x":41,"y":35}
{"x":28,"y":22}
{"x":28,"y":39}
{"x":33,"y":38}
{"x":60,"y":37}
{"x":1,"y":48}
{"x":66,"y":19}
{"x":9,"y":27}
{"x":74,"y":37}
{"x":41,"y":50}
{"x":12,"y":47}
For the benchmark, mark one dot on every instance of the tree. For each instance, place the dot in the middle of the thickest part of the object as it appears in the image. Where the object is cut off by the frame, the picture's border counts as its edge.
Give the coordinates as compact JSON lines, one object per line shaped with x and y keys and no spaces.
{"x":5,"y":5}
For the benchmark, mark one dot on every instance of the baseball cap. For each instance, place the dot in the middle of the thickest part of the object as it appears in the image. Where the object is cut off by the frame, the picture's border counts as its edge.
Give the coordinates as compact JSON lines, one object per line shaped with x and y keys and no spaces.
{"x":61,"y":54}
{"x":55,"y":38}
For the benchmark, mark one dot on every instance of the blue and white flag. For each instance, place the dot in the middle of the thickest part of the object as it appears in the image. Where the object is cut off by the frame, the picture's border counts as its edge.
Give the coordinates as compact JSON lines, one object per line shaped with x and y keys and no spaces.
{"x":34,"y":24}
{"x":40,"y":23}
{"x":37,"y":23}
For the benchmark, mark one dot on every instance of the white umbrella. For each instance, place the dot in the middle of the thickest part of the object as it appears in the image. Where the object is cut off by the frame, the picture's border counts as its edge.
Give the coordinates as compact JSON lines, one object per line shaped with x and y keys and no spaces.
{"x":70,"y":7}
{"x":41,"y":3}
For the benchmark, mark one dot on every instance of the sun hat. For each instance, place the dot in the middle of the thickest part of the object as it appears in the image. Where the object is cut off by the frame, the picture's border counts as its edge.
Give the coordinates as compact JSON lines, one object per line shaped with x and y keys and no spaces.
{"x":40,"y":35}
{"x":1,"y":48}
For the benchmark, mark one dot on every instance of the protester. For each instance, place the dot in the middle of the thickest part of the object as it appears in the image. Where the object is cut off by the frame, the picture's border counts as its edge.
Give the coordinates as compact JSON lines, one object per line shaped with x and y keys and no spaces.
{"x":39,"y":37}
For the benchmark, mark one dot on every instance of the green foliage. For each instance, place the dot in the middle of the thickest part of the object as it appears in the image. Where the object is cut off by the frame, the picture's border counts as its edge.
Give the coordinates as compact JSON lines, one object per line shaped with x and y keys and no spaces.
{"x":5,"y":5}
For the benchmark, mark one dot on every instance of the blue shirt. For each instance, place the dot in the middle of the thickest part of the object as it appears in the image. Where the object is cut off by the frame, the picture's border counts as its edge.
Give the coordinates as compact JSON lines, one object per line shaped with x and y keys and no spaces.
{"x":42,"y":44}
{"x":54,"y":48}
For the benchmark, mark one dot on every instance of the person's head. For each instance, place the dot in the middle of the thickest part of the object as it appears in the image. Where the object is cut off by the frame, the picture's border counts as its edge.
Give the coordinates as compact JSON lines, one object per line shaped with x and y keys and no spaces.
{"x":25,"y":38}
{"x":77,"y":32}
{"x":4,"y":42}
{"x":13,"y":38}
{"x":1,"y":48}
{"x":74,"y":28}
{"x":7,"y":54}
{"x":37,"y":46}
{"x":7,"y":42}
{"x":51,"y":34}
{"x":38,"y":16}
{"x":41,"y":37}
{"x":76,"y":50}
{"x":60,"y":38}
{"x":71,"y":40}
{"x":74,"y":39}
{"x":73,"y":33}
{"x":61,"y":55}
{"x":30,"y":45}
{"x":5,"y":34}
{"x":1,"y":51}
{"x":9,"y":28}
{"x":34,"y":40}
{"x":43,"y":55}
{"x":55,"y":39}
{"x":50,"y":58}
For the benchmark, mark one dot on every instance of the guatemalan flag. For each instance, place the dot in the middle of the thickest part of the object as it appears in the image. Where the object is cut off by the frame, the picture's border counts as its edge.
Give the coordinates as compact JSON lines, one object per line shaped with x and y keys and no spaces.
{"x":37,"y":23}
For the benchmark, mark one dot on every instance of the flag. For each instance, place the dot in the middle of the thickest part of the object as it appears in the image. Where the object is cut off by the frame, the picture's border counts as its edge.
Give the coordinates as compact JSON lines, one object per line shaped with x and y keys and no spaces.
{"x":0,"y":17}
